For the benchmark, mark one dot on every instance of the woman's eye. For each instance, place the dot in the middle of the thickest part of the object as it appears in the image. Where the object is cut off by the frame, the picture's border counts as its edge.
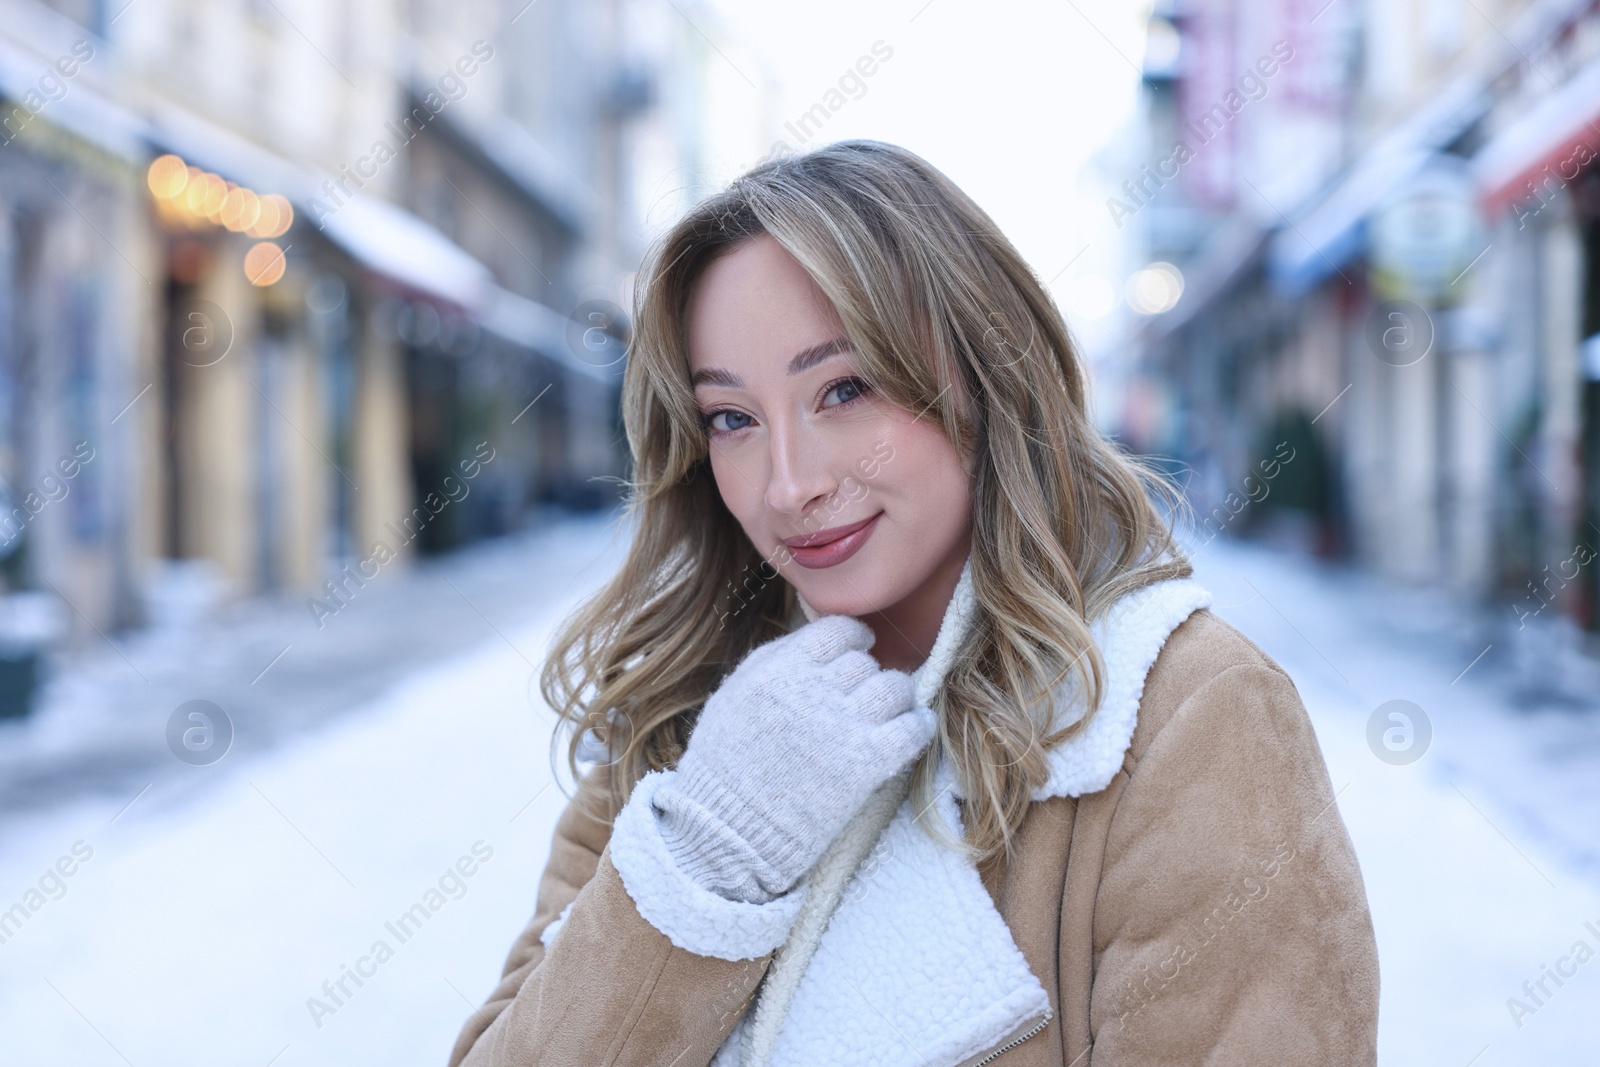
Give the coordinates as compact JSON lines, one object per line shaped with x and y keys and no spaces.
{"x":849,"y":389}
{"x":710,"y":421}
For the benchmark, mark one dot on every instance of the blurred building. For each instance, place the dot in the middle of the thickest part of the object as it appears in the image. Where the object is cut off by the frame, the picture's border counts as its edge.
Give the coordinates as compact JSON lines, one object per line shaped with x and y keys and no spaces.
{"x":1381,"y":221}
{"x":291,"y":290}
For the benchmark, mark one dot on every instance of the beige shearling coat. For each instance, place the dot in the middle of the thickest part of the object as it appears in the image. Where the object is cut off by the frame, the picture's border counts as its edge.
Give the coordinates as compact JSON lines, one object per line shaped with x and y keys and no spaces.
{"x":1184,"y":892}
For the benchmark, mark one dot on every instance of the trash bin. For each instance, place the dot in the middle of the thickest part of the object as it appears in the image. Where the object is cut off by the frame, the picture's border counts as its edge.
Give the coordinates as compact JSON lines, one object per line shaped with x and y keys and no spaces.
{"x":29,"y":623}
{"x":19,"y":677}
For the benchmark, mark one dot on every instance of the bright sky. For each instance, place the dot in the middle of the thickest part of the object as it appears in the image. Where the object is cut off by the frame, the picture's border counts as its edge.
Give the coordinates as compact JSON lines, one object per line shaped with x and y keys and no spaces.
{"x":1009,"y":98}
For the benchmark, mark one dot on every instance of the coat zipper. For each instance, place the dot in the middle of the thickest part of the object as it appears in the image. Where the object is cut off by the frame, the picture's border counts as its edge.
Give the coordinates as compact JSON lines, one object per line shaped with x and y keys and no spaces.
{"x":1014,"y":1042}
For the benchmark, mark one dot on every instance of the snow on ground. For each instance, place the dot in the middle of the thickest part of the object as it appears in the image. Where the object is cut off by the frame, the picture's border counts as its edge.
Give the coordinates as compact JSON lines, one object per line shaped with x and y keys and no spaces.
{"x":197,"y":931}
{"x":278,"y":669}
{"x":207,"y":917}
{"x":202,"y":922}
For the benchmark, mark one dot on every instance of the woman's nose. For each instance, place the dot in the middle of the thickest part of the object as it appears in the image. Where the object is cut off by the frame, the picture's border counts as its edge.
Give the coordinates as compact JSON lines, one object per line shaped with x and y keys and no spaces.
{"x":800,"y":477}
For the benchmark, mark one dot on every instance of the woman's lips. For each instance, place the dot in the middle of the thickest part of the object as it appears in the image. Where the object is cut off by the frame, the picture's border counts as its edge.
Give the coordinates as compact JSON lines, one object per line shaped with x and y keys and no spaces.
{"x":830,"y":547}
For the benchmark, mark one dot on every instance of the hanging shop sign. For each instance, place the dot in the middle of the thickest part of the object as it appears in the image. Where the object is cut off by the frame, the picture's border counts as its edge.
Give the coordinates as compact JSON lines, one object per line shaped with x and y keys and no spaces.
{"x":1426,"y":237}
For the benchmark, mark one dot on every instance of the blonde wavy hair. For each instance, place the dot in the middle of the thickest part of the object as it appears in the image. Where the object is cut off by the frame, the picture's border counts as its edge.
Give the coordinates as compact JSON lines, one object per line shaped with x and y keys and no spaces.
{"x":1063,"y":522}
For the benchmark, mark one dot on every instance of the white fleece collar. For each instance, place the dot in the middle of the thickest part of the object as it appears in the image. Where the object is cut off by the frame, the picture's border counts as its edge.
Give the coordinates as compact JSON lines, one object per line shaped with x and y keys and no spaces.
{"x":1129,"y":635}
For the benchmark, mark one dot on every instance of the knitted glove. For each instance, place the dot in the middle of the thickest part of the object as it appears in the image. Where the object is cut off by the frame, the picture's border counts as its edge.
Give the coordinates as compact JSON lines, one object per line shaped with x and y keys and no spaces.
{"x":785,"y":751}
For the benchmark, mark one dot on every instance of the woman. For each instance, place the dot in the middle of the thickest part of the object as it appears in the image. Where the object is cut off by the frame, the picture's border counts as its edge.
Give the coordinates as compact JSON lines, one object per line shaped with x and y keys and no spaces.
{"x":1060,"y":815}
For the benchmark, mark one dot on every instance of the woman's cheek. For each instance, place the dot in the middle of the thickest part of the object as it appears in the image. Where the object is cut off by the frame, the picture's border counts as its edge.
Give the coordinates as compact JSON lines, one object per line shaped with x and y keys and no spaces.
{"x":733,"y":485}
{"x":861,"y":449}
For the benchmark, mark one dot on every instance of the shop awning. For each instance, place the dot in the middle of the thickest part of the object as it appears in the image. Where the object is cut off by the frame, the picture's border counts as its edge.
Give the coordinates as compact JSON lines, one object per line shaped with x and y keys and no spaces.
{"x":384,"y":238}
{"x":1545,"y":136}
{"x":1330,"y":230}
{"x":217,"y":148}
{"x":81,"y":109}
{"x":395,"y":243}
{"x":381,"y":236}
{"x":405,"y":249}
{"x":1553,"y":133}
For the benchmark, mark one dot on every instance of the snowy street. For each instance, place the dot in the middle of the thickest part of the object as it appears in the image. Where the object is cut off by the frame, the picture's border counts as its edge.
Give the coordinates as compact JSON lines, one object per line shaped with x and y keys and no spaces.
{"x":336,"y":336}
{"x":207,"y":921}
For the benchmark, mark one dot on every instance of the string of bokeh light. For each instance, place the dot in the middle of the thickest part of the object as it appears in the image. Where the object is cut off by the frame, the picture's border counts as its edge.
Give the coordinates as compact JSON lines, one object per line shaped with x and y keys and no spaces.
{"x":194,"y":199}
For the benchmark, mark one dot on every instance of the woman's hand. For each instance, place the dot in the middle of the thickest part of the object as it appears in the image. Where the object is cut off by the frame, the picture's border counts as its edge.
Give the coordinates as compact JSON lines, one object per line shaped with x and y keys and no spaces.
{"x":785,"y":752}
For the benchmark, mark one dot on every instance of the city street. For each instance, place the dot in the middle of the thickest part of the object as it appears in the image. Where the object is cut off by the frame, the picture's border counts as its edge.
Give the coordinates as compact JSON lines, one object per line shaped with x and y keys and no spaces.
{"x":202,"y":921}
{"x":335,"y":337}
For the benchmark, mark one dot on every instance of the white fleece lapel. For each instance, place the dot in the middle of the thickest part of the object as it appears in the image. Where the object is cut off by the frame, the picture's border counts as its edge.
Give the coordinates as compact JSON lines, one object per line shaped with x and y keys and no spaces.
{"x":916,"y":968}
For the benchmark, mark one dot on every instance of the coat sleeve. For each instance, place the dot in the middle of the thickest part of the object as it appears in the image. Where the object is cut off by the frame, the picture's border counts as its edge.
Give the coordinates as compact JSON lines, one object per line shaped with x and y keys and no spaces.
{"x":1231,"y":925}
{"x":591,"y":980}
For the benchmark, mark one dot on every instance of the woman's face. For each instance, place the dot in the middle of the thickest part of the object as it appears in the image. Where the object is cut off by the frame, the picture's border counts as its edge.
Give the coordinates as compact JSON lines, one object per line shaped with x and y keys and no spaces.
{"x":804,"y":452}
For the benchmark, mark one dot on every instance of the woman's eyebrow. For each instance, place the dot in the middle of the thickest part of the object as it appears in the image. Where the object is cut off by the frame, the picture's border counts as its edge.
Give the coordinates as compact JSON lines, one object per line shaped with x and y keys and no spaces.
{"x":799,"y":364}
{"x":804,"y":361}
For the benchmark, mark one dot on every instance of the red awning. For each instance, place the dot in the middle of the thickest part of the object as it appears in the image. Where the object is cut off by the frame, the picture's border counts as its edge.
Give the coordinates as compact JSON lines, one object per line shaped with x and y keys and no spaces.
{"x":1560,"y":132}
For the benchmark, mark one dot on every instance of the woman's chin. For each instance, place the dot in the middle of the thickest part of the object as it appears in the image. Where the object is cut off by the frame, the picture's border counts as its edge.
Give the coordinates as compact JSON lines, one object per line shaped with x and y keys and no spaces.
{"x":840,"y":597}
